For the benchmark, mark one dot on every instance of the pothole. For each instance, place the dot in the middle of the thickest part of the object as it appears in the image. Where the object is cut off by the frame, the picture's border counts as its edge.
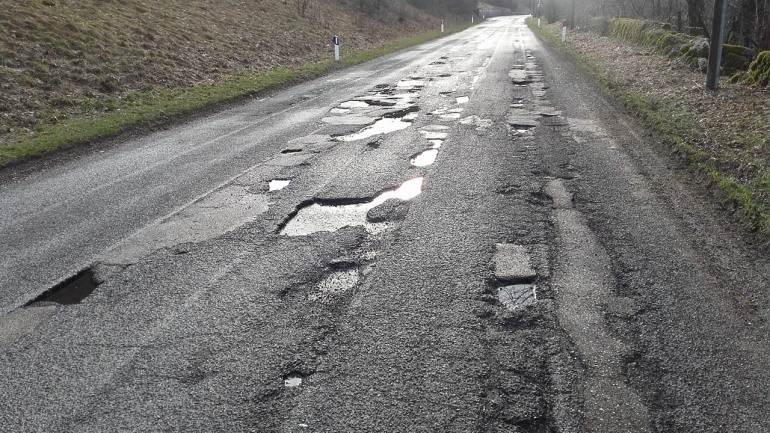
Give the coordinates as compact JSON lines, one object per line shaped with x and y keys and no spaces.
{"x":517,"y":296}
{"x":520,"y":77}
{"x":402,"y":113}
{"x":433,"y":135}
{"x":278,"y":184}
{"x":463,"y":99}
{"x":476,"y":121}
{"x":411,"y":84}
{"x":354,"y":104}
{"x":383,"y":101}
{"x":424,"y":159}
{"x":319,"y":217}
{"x":335,"y":283}
{"x":291,"y":150}
{"x":293,"y":379}
{"x":382,"y":126}
{"x":70,"y":291}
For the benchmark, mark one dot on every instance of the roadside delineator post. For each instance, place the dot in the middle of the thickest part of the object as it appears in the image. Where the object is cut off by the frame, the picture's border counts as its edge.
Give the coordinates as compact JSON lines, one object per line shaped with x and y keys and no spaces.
{"x":564,"y":31}
{"x":336,"y":43}
{"x":442,"y":26}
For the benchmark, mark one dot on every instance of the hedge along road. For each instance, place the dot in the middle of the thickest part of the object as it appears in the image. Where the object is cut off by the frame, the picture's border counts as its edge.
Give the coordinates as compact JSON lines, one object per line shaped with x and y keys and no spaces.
{"x":460,"y":237}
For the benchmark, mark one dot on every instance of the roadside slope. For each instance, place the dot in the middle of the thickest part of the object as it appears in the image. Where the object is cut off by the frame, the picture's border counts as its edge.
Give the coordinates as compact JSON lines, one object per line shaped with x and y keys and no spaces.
{"x":65,"y":60}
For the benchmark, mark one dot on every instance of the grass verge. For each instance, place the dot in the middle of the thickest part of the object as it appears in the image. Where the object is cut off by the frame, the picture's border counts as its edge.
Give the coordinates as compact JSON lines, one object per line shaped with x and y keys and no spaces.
{"x":121,"y":115}
{"x":748,"y":194}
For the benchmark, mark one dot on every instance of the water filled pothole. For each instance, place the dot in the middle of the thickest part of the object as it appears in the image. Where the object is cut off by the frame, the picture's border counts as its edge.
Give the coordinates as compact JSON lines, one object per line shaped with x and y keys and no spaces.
{"x":414,"y":84}
{"x":293,"y":379}
{"x":329,"y":218}
{"x":382,"y":126}
{"x":70,"y":291}
{"x":517,"y":296}
{"x":463,"y":99}
{"x":278,"y":184}
{"x":354,"y":104}
{"x":424,"y":159}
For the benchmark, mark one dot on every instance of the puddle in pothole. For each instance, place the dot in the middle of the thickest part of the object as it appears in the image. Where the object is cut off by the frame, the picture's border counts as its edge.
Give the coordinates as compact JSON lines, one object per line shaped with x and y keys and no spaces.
{"x":436,"y":144}
{"x":335,"y":283}
{"x":424,"y":159}
{"x":382,"y":126}
{"x":329,"y":218}
{"x":463,"y":99}
{"x":354,"y":104}
{"x":517,"y":296}
{"x":339,"y":111}
{"x":292,"y":380}
{"x":414,"y":84}
{"x":278,"y":184}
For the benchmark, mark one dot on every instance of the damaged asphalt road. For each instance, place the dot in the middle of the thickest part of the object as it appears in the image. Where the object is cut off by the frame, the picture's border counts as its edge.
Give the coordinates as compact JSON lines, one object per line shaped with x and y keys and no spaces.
{"x":460,"y":237}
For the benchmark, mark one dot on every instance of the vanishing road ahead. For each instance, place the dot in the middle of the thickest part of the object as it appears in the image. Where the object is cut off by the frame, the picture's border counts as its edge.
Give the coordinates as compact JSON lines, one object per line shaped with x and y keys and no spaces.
{"x":465,"y":236}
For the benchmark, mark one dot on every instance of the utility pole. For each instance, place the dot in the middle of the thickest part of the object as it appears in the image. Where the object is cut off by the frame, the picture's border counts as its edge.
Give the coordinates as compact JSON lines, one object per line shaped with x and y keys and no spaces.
{"x":717,"y":40}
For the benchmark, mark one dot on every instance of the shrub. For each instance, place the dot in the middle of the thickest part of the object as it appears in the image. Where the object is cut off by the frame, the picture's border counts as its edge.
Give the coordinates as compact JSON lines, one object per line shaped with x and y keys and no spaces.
{"x":759,"y":70}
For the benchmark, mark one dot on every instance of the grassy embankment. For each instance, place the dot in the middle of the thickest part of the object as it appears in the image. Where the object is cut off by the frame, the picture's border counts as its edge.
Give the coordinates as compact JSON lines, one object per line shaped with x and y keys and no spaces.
{"x":75,"y":72}
{"x":724,"y":135}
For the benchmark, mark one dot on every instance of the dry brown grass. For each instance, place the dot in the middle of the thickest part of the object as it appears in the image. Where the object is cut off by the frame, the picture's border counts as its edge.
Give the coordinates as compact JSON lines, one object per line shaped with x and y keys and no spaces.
{"x":725,"y":134}
{"x":61,"y":59}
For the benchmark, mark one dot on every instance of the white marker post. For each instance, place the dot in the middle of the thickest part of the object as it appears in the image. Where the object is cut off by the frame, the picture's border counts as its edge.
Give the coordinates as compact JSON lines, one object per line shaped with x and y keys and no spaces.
{"x":564,"y":31}
{"x":442,"y":26}
{"x":336,"y":43}
{"x":539,"y":12}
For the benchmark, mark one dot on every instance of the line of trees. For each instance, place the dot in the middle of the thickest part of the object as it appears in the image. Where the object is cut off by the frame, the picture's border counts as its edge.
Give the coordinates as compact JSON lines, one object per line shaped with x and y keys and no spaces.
{"x":747,"y":20}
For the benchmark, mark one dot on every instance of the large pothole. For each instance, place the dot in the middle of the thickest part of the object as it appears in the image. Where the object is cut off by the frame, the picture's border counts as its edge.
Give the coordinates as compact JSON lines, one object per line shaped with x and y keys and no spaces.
{"x":318,"y":217}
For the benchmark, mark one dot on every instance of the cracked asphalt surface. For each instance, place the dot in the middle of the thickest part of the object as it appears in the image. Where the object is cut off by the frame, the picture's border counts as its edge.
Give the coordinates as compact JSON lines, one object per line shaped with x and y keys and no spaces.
{"x":548,"y":268}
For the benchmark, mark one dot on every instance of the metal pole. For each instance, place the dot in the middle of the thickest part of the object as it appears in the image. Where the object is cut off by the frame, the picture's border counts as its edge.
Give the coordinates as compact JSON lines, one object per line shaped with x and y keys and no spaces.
{"x":717,"y":40}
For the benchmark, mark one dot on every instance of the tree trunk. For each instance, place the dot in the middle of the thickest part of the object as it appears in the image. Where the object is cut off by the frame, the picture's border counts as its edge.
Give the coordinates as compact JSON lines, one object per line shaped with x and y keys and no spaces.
{"x":695,"y":10}
{"x":767,"y":28}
